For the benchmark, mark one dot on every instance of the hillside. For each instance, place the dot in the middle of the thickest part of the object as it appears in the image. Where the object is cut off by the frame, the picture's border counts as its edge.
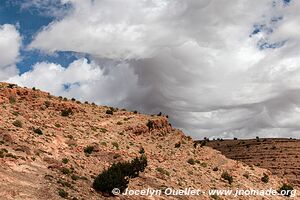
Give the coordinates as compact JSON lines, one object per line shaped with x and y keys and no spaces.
{"x":43,"y":152}
{"x":280,"y":156}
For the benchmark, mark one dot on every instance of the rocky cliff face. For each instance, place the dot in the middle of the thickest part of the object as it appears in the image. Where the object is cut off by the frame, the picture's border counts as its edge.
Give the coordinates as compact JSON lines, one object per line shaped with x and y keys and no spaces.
{"x":43,"y":151}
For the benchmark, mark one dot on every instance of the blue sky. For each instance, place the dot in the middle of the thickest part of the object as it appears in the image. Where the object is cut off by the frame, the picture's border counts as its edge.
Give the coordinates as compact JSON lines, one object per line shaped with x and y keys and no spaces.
{"x":217,"y":68}
{"x":29,"y":22}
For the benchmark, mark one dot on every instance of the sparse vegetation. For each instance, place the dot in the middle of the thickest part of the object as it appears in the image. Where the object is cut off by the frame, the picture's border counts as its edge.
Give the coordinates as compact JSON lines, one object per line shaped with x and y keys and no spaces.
{"x":162,"y":171}
{"x":66,"y":112}
{"x":150,"y":124}
{"x":12,"y":100}
{"x":191,"y":161}
{"x":119,"y":174}
{"x":226,"y":176}
{"x":115,"y":144}
{"x":265,"y":178}
{"x":62,"y":193}
{"x":142,"y":150}
{"x":88,"y":150}
{"x":177,"y":145}
{"x":65,"y":170}
{"x":286,"y":189}
{"x":109,"y":112}
{"x":246,"y":175}
{"x":65,"y":160}
{"x":47,"y":103}
{"x":103,"y":130}
{"x":18,"y":123}
{"x":38,"y":131}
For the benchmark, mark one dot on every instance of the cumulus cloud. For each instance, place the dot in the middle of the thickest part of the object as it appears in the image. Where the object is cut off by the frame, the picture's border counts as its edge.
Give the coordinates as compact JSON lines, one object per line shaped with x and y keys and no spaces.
{"x":81,"y":79}
{"x":218,"y":68}
{"x":10,"y":42}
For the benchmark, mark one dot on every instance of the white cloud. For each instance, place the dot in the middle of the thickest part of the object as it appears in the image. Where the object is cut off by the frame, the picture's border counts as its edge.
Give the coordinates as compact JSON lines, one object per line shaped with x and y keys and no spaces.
{"x":10,"y":42}
{"x":191,"y":59}
{"x":83,"y":80}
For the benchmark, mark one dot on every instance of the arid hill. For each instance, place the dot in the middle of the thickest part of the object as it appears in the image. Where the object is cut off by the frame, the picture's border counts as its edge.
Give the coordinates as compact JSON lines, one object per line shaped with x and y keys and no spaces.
{"x":280,"y":156}
{"x":52,"y":148}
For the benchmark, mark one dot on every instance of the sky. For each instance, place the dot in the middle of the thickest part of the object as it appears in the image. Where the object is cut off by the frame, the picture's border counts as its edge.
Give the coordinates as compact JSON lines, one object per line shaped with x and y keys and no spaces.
{"x":216,"y":68}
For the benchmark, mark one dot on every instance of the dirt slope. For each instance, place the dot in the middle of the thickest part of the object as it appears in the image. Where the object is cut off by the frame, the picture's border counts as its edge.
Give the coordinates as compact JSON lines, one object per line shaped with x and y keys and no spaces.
{"x":33,"y":163}
{"x":280,"y":156}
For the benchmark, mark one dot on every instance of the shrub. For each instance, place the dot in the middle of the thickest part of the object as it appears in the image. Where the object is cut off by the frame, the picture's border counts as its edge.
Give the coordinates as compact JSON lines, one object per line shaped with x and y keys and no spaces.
{"x":88,"y":149}
{"x":66,"y":112}
{"x":246,"y":175}
{"x":62,"y":193}
{"x":191,"y":161}
{"x":65,"y":170}
{"x":204,"y":164}
{"x":115,"y":144}
{"x":38,"y":131}
{"x":162,"y":171}
{"x":138,"y":165}
{"x":265,"y":178}
{"x":103,"y":130}
{"x":215,"y":169}
{"x":226,"y":176}
{"x":109,"y":112}
{"x":177,"y":145}
{"x":203,"y":143}
{"x":118,"y":175}
{"x":142,"y":150}
{"x":12,"y":100}
{"x":150,"y":125}
{"x":47,"y":103}
{"x":286,"y":190}
{"x":18,"y":123}
{"x":65,"y":160}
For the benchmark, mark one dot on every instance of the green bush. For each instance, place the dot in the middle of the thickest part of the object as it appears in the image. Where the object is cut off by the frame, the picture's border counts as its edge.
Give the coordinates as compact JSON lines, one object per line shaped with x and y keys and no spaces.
{"x":18,"y":123}
{"x":65,"y":160}
{"x":118,"y":175}
{"x":47,"y":103}
{"x":12,"y":100}
{"x":66,"y":112}
{"x":191,"y":161}
{"x":62,"y":193}
{"x":38,"y":131}
{"x":226,"y":176}
{"x":150,"y":125}
{"x":109,"y":112}
{"x":115,"y":144}
{"x":287,"y":189}
{"x":65,"y":170}
{"x":177,"y":145}
{"x":265,"y":178}
{"x":162,"y":171}
{"x":88,"y":149}
{"x":142,"y":150}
